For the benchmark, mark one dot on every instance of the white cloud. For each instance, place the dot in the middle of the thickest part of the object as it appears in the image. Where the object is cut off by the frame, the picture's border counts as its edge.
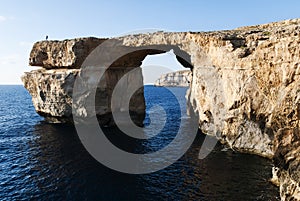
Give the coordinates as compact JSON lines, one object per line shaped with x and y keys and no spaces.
{"x":13,"y":66}
{"x":2,"y":18}
{"x":10,"y":59}
{"x":5,"y":18}
{"x":25,"y":44}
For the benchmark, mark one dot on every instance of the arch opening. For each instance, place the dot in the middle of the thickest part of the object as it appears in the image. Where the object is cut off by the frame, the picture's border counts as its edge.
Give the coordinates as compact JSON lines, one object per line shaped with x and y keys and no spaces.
{"x":148,"y":66}
{"x":156,"y":65}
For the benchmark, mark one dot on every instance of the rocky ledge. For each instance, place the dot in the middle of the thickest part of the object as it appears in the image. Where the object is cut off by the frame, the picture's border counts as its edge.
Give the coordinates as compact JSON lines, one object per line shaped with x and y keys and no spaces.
{"x":181,"y":78}
{"x":244,"y":88}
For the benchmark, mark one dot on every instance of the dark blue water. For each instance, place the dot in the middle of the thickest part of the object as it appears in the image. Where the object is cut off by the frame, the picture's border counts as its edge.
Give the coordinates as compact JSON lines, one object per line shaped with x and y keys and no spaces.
{"x":41,"y":161}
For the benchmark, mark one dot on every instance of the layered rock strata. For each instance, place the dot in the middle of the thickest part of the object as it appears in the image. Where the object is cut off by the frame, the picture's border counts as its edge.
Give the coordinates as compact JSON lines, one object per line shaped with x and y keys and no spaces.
{"x":51,"y":86}
{"x":245,"y":85}
{"x":175,"y":79}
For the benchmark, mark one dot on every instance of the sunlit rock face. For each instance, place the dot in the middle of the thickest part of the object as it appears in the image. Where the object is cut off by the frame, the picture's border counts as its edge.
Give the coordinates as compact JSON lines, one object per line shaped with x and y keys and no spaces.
{"x":244,"y":88}
{"x":62,"y":54}
{"x":51,"y":92}
{"x":52,"y":86}
{"x":52,"y":95}
{"x":175,"y":79}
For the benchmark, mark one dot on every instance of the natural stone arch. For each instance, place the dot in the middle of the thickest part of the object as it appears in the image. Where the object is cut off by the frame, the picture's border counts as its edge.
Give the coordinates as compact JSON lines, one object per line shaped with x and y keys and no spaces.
{"x":132,"y":59}
{"x":228,"y":62}
{"x":244,"y":88}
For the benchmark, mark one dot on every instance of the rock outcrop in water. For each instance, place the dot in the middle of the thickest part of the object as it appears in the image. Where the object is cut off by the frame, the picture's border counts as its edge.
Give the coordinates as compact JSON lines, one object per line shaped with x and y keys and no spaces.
{"x":51,"y":87}
{"x":245,"y":85}
{"x":178,"y":78}
{"x":52,"y":92}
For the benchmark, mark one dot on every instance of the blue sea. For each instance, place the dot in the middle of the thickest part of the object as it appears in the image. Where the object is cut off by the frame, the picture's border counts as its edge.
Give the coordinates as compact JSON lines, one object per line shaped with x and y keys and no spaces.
{"x":42,"y":161}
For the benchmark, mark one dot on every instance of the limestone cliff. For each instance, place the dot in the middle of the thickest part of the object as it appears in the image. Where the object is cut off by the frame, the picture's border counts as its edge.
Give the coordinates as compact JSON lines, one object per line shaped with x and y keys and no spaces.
{"x":178,"y":78}
{"x":51,"y":87}
{"x":52,"y":92}
{"x":244,"y":88}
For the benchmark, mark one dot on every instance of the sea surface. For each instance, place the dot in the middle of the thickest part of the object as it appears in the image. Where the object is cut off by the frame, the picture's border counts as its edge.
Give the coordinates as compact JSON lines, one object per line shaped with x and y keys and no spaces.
{"x":42,"y":161}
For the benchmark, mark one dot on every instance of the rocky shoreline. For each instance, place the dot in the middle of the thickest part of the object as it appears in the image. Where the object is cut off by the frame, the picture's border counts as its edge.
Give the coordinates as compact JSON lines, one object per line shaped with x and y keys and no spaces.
{"x":244,"y":88}
{"x":181,"y":78}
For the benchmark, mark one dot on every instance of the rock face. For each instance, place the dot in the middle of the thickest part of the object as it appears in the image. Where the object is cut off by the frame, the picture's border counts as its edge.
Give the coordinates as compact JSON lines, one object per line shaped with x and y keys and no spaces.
{"x":245,"y":85}
{"x":62,"y":54}
{"x":52,"y":92}
{"x":179,"y":79}
{"x":51,"y":87}
{"x":287,"y":157}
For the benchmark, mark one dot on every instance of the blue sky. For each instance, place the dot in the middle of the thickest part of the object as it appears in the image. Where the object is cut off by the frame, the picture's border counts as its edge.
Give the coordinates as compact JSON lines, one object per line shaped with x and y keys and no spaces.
{"x":24,"y":22}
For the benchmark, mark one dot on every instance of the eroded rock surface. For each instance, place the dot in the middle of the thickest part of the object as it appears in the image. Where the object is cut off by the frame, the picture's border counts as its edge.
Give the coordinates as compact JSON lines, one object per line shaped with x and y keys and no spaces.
{"x":62,"y":54}
{"x":245,"y":84}
{"x":175,"y":79}
{"x":52,"y":94}
{"x":287,"y":158}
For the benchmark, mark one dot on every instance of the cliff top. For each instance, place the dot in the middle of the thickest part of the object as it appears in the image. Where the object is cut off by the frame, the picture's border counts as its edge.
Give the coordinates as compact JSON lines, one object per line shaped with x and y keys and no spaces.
{"x":72,"y":52}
